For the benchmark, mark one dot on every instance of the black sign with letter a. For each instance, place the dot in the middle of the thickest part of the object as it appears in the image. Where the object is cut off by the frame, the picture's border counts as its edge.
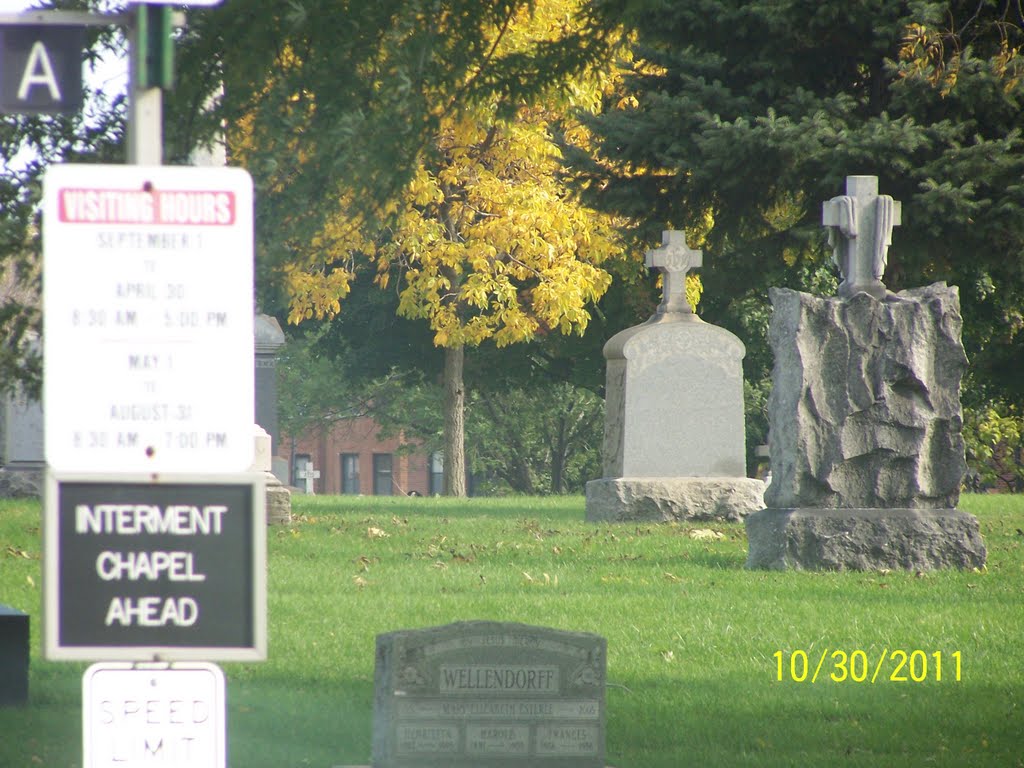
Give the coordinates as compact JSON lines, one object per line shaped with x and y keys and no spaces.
{"x":40,"y":68}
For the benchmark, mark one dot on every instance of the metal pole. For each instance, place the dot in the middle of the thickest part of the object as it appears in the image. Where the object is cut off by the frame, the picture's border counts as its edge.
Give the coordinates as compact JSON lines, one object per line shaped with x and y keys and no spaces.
{"x":145,"y":106}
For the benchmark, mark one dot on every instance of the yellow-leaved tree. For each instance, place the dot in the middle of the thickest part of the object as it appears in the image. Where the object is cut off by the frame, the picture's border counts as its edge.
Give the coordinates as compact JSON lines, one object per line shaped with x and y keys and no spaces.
{"x":487,"y":243}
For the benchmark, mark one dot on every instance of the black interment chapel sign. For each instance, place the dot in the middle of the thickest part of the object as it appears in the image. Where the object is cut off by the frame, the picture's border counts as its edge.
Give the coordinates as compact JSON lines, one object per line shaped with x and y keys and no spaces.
{"x":155,"y":565}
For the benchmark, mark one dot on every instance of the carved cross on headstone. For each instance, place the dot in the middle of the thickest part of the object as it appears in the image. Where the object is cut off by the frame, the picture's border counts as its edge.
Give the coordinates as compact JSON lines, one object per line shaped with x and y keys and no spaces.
{"x":675,"y":258}
{"x":860,"y":225}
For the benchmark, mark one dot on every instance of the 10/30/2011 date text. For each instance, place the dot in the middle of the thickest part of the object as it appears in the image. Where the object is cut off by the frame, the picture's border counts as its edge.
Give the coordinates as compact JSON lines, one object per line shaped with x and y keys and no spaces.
{"x":895,"y":666}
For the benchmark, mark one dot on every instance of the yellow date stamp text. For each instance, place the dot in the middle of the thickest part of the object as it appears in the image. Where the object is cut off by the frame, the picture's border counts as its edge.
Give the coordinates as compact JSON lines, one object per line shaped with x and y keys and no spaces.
{"x":893,"y":665}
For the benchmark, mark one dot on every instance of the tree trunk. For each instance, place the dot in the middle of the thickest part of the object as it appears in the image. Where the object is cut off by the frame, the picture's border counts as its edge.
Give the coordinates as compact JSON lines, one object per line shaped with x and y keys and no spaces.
{"x":559,"y":449}
{"x":454,"y":423}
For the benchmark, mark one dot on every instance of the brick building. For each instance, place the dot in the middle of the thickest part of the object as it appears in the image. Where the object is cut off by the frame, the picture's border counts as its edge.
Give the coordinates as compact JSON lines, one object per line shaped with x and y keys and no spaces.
{"x":352,"y":460}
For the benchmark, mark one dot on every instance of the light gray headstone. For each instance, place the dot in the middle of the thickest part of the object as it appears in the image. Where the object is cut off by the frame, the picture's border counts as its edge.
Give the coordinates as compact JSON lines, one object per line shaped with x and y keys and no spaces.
{"x":487,"y":694}
{"x":674,"y":440}
{"x":674,"y":402}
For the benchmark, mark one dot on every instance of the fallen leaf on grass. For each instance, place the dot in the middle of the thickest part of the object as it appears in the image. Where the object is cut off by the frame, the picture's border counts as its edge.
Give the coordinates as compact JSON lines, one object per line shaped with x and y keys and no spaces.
{"x":672,"y":577}
{"x":440,"y":565}
{"x":359,"y":581}
{"x":668,"y":656}
{"x":376,"y":533}
{"x":18,"y":552}
{"x":30,"y":581}
{"x":546,"y":576}
{"x":705,"y":533}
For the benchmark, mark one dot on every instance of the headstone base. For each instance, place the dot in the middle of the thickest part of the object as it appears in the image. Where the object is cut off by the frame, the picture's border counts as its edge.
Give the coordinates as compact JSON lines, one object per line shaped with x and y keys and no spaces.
{"x":21,"y":483}
{"x":279,"y":502}
{"x":13,"y":657}
{"x":864,"y":539}
{"x":664,"y":499}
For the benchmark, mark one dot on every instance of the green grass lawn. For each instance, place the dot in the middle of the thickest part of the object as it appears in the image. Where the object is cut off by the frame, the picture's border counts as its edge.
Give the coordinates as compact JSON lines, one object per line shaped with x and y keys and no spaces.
{"x":692,"y":637}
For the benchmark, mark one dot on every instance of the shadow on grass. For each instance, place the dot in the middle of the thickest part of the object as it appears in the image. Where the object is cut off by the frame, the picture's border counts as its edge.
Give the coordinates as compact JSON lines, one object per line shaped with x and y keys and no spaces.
{"x":742,"y":722}
{"x":280,"y":721}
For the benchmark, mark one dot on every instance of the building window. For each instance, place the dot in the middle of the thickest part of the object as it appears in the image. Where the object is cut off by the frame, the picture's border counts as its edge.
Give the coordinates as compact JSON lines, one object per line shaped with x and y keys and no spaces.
{"x":382,"y":474}
{"x":350,"y":473}
{"x":436,"y":484}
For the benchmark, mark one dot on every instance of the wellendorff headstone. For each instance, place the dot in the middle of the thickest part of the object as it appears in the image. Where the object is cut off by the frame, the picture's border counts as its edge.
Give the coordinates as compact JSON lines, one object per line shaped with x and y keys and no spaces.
{"x":865,"y":419}
{"x":674,"y":443}
{"x":480,"y":694}
{"x":13,"y":657}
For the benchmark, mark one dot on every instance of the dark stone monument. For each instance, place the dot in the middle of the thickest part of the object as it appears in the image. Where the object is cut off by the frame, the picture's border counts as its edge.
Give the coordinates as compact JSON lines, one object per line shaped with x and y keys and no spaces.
{"x":480,"y":694}
{"x":865,"y":420}
{"x":269,"y":338}
{"x":13,"y":657}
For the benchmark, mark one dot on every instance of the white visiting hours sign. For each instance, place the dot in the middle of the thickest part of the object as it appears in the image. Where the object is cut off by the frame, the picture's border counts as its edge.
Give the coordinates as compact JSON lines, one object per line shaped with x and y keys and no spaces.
{"x":148,"y":319}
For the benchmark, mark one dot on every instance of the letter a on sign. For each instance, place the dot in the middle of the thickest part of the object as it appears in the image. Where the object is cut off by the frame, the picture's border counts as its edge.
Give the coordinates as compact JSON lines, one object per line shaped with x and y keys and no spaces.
{"x":40,"y":68}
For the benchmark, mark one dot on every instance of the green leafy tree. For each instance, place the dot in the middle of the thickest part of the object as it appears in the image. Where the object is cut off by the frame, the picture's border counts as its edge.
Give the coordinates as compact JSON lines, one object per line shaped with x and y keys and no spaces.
{"x":420,"y":132}
{"x":994,"y":435}
{"x":28,"y":144}
{"x":750,"y":114}
{"x":542,"y":439}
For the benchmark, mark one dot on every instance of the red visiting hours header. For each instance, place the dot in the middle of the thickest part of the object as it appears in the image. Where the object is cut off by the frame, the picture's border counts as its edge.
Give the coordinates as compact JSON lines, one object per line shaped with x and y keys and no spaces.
{"x":172,"y":207}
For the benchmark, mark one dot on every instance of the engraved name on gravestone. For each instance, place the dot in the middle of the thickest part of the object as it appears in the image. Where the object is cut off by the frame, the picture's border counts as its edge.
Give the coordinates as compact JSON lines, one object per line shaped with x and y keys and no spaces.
{"x":489,"y":693}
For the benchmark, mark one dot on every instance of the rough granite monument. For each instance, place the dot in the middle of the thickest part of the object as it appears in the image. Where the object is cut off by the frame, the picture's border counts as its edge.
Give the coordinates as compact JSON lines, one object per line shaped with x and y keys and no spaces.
{"x":674,"y":442}
{"x":865,"y":420}
{"x":477,"y":694}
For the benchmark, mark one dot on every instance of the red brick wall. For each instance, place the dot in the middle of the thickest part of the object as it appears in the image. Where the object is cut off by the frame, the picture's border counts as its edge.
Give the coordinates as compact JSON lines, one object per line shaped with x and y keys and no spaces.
{"x":410,"y":470}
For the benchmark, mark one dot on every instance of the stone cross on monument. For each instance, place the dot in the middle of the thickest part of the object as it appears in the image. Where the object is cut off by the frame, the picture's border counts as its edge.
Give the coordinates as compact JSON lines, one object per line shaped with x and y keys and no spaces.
{"x":860,"y":227}
{"x":675,"y":258}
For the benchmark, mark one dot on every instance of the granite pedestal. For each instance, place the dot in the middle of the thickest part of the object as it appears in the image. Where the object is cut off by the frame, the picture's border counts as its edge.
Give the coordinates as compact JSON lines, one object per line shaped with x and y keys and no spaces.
{"x":864,"y":540}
